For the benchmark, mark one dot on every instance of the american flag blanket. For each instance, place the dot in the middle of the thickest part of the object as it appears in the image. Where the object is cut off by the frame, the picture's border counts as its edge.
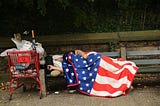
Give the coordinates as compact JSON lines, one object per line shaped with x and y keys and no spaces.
{"x":98,"y":75}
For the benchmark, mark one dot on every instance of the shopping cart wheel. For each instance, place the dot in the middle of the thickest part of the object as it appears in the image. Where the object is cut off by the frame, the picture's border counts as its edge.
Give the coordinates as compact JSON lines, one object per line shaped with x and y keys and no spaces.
{"x":24,"y":88}
{"x":10,"y":97}
{"x":40,"y":95}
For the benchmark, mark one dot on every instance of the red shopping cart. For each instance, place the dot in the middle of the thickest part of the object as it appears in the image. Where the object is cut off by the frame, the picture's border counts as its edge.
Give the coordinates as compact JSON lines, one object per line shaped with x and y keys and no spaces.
{"x":23,"y":64}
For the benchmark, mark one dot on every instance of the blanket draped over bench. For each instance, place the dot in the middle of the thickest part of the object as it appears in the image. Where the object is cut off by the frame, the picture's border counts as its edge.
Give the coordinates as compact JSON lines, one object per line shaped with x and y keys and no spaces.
{"x":98,"y":75}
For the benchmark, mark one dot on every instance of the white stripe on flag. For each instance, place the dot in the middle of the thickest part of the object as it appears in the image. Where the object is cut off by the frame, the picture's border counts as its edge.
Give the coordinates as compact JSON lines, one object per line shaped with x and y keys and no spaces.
{"x":107,"y":66}
{"x":113,"y":82}
{"x":91,"y":53}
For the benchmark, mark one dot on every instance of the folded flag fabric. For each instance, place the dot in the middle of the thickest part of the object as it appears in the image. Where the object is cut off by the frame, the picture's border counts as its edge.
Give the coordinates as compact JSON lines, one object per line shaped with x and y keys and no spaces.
{"x":98,"y":75}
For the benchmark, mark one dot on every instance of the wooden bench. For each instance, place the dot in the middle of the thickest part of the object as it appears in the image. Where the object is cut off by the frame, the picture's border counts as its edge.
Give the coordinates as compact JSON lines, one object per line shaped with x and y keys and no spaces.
{"x":44,"y":77}
{"x":148,"y":63}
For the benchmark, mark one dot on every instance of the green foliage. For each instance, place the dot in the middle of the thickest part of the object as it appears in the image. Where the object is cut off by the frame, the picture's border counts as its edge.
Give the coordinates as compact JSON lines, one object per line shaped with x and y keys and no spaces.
{"x":41,"y":6}
{"x":27,"y":3}
{"x":64,"y":3}
{"x":123,"y":4}
{"x":74,"y":16}
{"x":80,"y":16}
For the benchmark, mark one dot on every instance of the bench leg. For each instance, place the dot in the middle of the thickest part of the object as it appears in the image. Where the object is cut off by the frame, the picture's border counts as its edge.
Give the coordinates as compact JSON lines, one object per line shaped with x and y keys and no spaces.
{"x":43,"y":82}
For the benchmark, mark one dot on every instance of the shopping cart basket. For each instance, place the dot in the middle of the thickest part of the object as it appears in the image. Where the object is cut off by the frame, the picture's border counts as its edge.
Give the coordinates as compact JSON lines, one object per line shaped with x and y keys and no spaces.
{"x":23,"y":64}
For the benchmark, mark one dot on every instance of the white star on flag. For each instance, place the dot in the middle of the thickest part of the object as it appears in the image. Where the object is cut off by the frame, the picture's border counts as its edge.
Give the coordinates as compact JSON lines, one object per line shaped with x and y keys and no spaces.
{"x":84,"y":78}
{"x":84,"y":61}
{"x":95,"y":69}
{"x":67,"y":70}
{"x":90,"y":60}
{"x":83,"y":72}
{"x":70,"y":81}
{"x":87,"y":84}
{"x":76,"y":59}
{"x":90,"y":74}
{"x":72,"y":74}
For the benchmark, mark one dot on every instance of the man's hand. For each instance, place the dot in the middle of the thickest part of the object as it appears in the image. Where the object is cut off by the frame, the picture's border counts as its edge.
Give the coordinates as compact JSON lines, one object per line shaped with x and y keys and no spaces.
{"x":51,"y":67}
{"x":80,"y":52}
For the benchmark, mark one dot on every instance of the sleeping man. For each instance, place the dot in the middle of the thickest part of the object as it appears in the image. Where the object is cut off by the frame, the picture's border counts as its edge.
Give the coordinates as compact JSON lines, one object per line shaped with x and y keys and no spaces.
{"x":94,"y":74}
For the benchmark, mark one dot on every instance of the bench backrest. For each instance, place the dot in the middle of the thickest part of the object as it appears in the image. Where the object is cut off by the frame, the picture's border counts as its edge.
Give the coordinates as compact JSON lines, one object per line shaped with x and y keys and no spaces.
{"x":145,"y":53}
{"x":146,"y":65}
{"x":151,"y":62}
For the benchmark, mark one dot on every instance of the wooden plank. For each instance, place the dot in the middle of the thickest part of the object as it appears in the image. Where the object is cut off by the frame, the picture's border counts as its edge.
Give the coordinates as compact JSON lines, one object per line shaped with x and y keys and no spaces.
{"x":140,"y":35}
{"x":142,"y":53}
{"x":149,"y":70}
{"x":146,"y":61}
{"x":87,"y":38}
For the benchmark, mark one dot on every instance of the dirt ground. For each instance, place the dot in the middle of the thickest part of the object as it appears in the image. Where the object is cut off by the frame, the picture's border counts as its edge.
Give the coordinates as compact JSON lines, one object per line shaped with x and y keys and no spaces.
{"x":146,"y":96}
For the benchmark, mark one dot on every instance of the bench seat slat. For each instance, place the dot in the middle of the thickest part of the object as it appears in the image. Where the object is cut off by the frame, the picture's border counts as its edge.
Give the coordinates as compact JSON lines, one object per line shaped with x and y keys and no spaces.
{"x":146,"y":61}
{"x":142,"y":53}
{"x":149,"y":70}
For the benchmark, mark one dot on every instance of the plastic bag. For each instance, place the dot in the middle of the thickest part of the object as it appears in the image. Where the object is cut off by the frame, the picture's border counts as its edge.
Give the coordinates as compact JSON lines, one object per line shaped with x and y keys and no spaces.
{"x":38,"y":46}
{"x":27,"y":45}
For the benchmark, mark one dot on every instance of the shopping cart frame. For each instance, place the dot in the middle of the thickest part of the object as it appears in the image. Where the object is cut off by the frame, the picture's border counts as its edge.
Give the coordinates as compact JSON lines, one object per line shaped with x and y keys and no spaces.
{"x":30,"y":57}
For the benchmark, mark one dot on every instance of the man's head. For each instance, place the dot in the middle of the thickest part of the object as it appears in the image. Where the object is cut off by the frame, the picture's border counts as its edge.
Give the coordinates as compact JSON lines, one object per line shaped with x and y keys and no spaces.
{"x":58,"y":58}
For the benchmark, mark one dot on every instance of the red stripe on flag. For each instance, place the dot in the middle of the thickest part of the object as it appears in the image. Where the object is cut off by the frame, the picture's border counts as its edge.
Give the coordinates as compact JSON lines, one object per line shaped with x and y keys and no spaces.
{"x":113,"y":63}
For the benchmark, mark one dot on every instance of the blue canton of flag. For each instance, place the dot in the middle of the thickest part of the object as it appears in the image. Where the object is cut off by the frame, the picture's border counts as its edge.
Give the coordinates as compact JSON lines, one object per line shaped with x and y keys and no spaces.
{"x":80,"y":71}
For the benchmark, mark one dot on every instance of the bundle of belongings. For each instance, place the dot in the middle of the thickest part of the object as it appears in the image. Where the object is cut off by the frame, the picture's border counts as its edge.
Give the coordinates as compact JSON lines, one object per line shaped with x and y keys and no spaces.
{"x":24,"y":45}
